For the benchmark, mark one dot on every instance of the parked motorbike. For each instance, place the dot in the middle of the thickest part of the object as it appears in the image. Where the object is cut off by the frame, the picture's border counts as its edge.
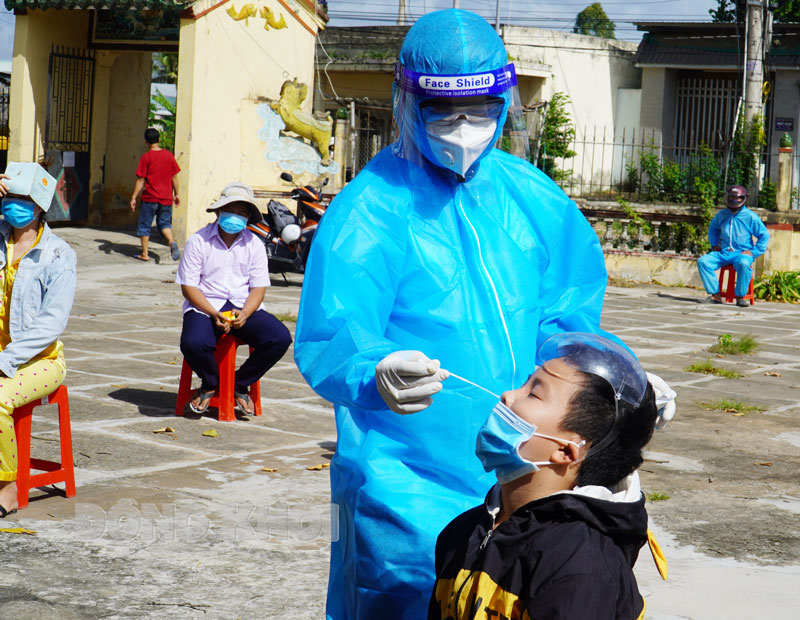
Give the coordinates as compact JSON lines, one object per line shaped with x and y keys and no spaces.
{"x":287,"y":236}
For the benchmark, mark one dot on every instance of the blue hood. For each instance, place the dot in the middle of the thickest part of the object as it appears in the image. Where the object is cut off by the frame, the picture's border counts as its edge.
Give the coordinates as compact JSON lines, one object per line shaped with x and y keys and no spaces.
{"x":448,"y":42}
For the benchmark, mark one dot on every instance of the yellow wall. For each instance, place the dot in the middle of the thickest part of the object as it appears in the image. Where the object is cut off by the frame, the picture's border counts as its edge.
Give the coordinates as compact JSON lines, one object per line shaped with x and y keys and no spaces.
{"x":227,"y":68}
{"x":34,"y":33}
{"x":783,"y":251}
{"x":119,"y":107}
{"x":128,"y":106}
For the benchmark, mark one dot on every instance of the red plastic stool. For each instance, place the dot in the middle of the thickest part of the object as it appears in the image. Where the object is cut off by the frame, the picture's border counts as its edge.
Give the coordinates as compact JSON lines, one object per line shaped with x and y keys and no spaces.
{"x":223,"y":400}
{"x":54,"y":472}
{"x":728,"y":293}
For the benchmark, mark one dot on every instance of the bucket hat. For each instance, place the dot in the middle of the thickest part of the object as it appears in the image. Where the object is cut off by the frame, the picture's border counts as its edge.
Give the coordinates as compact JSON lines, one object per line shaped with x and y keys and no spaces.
{"x":238,"y":192}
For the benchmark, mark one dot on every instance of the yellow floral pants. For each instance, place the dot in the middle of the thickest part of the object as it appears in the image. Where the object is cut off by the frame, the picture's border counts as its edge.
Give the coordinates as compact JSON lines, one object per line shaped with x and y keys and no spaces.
{"x":32,"y":381}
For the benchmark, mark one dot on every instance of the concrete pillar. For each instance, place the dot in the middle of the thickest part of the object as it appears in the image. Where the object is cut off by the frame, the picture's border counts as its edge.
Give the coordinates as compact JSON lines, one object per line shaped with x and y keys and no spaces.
{"x":784,"y":178}
{"x":340,"y":151}
{"x":102,"y":80}
{"x":24,"y":142}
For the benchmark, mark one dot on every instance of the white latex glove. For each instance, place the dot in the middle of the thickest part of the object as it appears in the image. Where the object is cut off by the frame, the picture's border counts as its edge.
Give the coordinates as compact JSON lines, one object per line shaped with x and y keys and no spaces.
{"x":665,"y":399}
{"x":406,"y":380}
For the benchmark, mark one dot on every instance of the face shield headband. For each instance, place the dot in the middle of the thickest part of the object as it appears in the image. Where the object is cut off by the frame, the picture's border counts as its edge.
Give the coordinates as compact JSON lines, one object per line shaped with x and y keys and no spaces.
{"x":600,"y":356}
{"x":494,"y":82}
{"x":488,"y":106}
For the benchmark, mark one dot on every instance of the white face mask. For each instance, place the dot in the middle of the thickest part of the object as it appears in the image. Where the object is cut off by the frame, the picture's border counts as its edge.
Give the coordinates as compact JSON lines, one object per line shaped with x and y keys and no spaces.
{"x":457,"y":142}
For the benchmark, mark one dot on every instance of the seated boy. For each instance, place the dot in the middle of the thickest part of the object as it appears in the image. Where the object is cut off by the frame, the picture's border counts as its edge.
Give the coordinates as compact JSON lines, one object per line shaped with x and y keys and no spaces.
{"x":559,"y":534}
{"x":223,"y":276}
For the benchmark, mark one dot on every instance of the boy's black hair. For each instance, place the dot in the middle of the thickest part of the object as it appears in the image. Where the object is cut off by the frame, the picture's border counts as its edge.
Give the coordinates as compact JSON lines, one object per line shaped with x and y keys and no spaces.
{"x":591,"y":414}
{"x":151,"y":136}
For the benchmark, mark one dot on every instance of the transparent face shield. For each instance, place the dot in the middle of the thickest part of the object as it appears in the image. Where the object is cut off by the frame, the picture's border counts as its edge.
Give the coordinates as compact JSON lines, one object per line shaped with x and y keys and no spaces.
{"x":452,"y":121}
{"x":600,"y":356}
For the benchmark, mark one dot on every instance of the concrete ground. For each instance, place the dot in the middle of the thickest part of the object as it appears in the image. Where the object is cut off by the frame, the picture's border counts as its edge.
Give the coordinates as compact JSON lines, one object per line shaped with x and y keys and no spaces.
{"x":178,"y":525}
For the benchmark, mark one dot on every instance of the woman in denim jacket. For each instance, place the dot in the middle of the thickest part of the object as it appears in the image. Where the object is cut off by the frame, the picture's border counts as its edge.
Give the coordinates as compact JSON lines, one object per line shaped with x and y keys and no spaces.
{"x":37,"y":285}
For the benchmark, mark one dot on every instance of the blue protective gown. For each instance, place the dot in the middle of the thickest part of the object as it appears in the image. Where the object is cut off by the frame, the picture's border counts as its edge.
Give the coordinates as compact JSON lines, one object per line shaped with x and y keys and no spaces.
{"x":408,"y":258}
{"x":733,"y":233}
{"x":475,"y":273}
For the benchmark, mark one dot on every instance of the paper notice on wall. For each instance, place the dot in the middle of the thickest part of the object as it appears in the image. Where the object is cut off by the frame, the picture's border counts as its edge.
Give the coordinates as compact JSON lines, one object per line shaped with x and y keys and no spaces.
{"x":68,"y":159}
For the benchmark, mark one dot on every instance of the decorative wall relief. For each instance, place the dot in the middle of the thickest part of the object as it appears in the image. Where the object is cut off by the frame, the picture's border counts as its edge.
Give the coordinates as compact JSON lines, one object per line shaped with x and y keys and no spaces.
{"x":315,"y":129}
{"x":268,"y":15}
{"x":291,"y":154}
{"x":245,"y":13}
{"x":249,"y":10}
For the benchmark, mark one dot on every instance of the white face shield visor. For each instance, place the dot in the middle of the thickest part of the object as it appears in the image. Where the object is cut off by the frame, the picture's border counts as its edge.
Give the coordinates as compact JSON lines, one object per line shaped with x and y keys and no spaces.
{"x":454,"y":120}
{"x":600,"y":356}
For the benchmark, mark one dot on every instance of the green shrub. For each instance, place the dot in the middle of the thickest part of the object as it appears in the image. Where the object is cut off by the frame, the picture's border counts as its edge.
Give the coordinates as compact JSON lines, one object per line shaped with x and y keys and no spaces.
{"x":731,"y":406}
{"x":728,"y":345}
{"x":707,"y":368}
{"x":780,"y":286}
{"x":768,"y":196}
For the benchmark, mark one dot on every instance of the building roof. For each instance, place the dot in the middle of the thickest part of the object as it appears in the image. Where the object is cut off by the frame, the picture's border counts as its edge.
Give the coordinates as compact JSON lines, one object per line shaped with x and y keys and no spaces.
{"x":711,"y":45}
{"x":21,"y":5}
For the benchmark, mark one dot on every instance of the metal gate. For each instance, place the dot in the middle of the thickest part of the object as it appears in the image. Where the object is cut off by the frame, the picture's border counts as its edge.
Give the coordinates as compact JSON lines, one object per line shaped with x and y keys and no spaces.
{"x":68,"y":130}
{"x":705,"y":111}
{"x":371,"y":135}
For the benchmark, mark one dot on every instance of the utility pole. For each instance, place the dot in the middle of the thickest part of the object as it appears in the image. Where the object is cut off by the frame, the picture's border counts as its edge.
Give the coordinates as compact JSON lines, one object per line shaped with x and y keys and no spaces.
{"x":455,"y":4}
{"x":754,"y":77}
{"x":754,"y":68}
{"x":497,"y":17}
{"x":401,"y":14}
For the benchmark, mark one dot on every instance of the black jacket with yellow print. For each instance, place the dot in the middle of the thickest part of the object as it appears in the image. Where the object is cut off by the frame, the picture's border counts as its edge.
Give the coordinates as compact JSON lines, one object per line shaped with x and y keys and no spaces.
{"x":566,"y":556}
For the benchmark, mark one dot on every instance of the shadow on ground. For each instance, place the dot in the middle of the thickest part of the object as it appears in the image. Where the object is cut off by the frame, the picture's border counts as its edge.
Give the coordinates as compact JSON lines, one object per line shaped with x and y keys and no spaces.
{"x":129,"y":249}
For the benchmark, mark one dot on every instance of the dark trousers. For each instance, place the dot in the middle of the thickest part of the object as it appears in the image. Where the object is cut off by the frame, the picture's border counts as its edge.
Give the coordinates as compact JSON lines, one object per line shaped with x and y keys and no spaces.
{"x":267,"y":335}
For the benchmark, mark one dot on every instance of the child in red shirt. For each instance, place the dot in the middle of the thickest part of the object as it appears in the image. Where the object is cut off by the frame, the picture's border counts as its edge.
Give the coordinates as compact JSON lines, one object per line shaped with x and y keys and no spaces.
{"x":157,"y":176}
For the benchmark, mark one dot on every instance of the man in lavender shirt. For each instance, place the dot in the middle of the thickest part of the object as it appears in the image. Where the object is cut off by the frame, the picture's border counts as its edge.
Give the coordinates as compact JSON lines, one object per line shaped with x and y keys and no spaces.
{"x":223,"y":276}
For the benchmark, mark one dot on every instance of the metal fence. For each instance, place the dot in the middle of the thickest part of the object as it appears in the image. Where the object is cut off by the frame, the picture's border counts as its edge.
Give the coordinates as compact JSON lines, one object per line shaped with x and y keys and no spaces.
{"x":635,"y":164}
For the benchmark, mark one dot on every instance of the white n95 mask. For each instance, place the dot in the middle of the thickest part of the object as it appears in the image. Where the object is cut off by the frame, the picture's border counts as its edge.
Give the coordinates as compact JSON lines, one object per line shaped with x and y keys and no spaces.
{"x":458,"y":142}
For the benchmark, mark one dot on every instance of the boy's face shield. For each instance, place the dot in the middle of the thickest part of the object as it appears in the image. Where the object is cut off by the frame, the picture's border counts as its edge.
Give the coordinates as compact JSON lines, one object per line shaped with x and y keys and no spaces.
{"x":599,"y":356}
{"x":487,"y":100}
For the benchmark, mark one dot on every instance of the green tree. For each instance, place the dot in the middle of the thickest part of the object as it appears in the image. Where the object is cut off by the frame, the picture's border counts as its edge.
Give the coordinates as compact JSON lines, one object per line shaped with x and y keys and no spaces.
{"x":593,"y":21}
{"x":558,"y":132}
{"x":165,"y":68}
{"x":166,"y":123}
{"x":736,"y":11}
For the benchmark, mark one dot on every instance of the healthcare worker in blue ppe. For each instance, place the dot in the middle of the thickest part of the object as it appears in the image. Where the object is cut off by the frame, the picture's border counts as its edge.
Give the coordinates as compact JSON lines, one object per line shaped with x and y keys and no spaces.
{"x":444,"y":255}
{"x":737,"y":237}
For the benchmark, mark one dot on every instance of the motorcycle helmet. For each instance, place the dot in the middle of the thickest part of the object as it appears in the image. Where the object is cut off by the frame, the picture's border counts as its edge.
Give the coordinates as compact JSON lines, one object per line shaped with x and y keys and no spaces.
{"x":736,"y":197}
{"x":290,"y":233}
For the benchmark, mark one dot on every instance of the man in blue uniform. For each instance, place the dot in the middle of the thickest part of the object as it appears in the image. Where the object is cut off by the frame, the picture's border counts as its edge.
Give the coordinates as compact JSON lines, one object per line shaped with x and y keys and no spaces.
{"x":731,"y":234}
{"x":443,"y":254}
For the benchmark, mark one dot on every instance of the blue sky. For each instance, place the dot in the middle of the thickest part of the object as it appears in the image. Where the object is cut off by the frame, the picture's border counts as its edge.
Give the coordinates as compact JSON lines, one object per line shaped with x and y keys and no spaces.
{"x":6,"y":33}
{"x":560,"y":15}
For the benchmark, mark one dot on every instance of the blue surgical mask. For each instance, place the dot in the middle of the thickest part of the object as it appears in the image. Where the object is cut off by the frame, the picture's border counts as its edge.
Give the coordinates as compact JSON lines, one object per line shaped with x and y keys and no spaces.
{"x":17,"y":211}
{"x":232,"y":223}
{"x":499,"y":440}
